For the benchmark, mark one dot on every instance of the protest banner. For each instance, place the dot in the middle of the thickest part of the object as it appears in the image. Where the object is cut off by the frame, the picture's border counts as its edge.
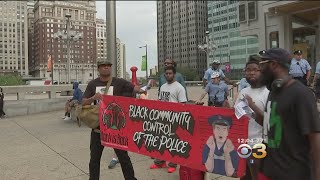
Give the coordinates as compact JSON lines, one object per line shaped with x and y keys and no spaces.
{"x":199,"y":137}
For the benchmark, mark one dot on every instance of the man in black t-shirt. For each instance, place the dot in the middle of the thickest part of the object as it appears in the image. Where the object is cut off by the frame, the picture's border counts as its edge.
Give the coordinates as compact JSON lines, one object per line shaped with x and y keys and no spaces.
{"x":92,"y":94}
{"x":291,"y":123}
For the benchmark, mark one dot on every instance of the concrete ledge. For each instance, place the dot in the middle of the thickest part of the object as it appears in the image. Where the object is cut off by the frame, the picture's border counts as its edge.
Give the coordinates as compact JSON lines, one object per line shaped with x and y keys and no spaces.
{"x":33,"y":106}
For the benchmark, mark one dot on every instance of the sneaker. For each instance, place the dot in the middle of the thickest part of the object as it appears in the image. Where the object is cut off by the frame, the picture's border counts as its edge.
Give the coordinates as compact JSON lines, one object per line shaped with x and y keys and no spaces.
{"x":113,"y":163}
{"x":154,"y":166}
{"x":67,"y":118}
{"x":171,"y":169}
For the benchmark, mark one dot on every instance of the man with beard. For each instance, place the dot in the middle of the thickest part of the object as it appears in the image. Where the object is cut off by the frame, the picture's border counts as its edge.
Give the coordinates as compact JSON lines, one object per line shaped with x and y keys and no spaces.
{"x":171,"y":91}
{"x":291,"y":126}
{"x":256,"y":95}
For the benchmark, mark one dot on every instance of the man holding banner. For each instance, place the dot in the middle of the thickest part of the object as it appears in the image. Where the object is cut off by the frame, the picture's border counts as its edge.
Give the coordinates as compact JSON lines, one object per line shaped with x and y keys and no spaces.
{"x":118,"y":87}
{"x":171,"y":91}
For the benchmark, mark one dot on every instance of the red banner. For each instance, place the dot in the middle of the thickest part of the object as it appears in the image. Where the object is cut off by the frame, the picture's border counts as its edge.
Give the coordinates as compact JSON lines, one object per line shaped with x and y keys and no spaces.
{"x":199,"y":137}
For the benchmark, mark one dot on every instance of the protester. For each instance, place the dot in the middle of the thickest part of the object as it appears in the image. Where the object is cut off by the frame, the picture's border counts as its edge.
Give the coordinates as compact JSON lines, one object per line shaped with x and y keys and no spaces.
{"x":291,"y":126}
{"x":171,"y":91}
{"x":256,"y":96}
{"x":178,"y":77}
{"x":300,"y":68}
{"x":2,"y":113}
{"x":75,"y":100}
{"x":119,"y":87}
{"x":217,"y":91}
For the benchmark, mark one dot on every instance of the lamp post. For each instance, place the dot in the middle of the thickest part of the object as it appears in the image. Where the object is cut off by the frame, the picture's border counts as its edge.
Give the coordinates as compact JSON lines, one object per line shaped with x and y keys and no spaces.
{"x":207,"y":46}
{"x":68,"y":36}
{"x":59,"y":71}
{"x":146,"y":46}
{"x":76,"y":62}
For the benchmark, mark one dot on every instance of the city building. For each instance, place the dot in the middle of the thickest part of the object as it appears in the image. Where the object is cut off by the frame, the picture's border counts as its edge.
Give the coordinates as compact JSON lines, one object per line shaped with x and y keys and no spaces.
{"x":121,"y":59}
{"x":49,"y":18}
{"x":30,"y":17}
{"x":14,"y":37}
{"x":290,"y":25}
{"x":181,"y":27}
{"x":224,"y":31}
{"x":102,"y":48}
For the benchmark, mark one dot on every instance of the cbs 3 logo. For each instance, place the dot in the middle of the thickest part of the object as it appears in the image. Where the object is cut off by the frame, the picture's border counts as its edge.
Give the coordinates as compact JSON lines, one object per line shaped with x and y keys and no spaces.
{"x":258,"y":151}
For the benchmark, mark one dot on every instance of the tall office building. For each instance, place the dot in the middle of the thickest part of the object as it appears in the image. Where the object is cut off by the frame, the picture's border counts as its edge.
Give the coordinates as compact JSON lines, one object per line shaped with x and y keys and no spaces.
{"x":13,"y":37}
{"x":223,"y":24}
{"x":30,"y":17}
{"x":181,"y":28}
{"x":102,"y":48}
{"x":49,"y":18}
{"x":121,"y":59}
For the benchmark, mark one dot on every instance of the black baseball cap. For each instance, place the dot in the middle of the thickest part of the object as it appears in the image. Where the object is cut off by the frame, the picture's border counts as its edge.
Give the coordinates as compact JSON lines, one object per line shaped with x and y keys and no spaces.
{"x":221,"y":120}
{"x":103,"y":62}
{"x":298,"y":52}
{"x":278,"y":54}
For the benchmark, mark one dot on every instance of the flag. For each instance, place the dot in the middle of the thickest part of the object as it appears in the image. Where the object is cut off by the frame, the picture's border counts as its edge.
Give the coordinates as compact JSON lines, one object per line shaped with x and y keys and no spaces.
{"x":144,"y":63}
{"x":49,"y":64}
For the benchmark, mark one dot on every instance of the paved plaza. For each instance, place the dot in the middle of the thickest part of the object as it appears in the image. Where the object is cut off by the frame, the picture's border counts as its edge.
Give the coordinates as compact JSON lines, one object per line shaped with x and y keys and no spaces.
{"x":43,"y":146}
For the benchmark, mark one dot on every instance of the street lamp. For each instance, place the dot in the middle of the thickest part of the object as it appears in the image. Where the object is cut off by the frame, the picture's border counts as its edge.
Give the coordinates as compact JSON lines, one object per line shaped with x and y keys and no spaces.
{"x":207,"y":46}
{"x":59,"y":71}
{"x":146,"y":46}
{"x":68,"y":36}
{"x":76,"y":70}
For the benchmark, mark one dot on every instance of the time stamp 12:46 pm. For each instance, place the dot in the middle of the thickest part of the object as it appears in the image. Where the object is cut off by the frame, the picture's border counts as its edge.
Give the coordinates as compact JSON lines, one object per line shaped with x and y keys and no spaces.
{"x":257,"y":148}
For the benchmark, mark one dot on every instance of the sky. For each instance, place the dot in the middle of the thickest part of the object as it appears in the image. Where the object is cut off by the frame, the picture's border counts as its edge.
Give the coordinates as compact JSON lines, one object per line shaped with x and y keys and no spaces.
{"x":136,"y":26}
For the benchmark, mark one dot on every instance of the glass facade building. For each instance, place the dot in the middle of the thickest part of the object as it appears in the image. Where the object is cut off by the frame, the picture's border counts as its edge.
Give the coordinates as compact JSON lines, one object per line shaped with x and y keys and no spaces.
{"x":223,"y":25}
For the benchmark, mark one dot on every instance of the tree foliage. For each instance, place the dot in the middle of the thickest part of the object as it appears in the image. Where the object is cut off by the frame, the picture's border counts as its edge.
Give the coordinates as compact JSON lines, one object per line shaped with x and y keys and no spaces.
{"x":10,"y":80}
{"x":189,"y":74}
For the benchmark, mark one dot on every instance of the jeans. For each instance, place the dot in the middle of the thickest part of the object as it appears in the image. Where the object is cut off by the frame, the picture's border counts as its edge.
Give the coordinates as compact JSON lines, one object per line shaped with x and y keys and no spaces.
{"x":159,"y":162}
{"x":96,"y":150}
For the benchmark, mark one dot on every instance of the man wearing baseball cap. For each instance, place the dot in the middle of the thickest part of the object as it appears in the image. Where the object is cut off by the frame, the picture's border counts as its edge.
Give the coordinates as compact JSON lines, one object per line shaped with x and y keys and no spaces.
{"x":300,"y":68}
{"x":291,"y":126}
{"x":118,"y":87}
{"x":215,"y":69}
{"x":217,"y":91}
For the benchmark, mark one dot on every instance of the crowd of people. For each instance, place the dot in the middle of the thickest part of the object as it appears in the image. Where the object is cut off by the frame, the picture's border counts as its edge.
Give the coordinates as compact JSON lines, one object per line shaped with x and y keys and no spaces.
{"x":275,"y":87}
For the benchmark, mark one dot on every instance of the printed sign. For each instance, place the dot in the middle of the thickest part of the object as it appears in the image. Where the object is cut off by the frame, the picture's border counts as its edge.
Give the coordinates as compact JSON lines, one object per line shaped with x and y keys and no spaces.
{"x":199,"y":137}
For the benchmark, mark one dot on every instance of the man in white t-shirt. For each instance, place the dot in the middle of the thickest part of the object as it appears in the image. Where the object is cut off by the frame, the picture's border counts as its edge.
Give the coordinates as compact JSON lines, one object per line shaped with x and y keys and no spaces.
{"x":256,"y":96}
{"x":171,"y":91}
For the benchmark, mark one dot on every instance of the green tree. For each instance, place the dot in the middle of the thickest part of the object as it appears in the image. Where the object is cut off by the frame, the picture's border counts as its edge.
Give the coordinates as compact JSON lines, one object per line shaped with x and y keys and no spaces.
{"x":189,"y":74}
{"x":10,"y":80}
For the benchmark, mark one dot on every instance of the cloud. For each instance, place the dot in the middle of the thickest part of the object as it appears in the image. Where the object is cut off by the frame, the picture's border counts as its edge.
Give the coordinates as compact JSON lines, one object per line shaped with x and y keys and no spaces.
{"x":136,"y":26}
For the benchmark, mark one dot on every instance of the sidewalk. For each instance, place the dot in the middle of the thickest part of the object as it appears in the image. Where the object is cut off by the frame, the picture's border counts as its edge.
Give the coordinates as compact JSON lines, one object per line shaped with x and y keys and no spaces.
{"x":45,"y":147}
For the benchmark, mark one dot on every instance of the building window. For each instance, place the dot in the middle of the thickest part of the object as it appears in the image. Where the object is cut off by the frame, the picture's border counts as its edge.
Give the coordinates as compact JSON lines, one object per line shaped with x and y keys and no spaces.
{"x":81,"y":15}
{"x":252,"y":10}
{"x":242,"y":12}
{"x":59,"y":12}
